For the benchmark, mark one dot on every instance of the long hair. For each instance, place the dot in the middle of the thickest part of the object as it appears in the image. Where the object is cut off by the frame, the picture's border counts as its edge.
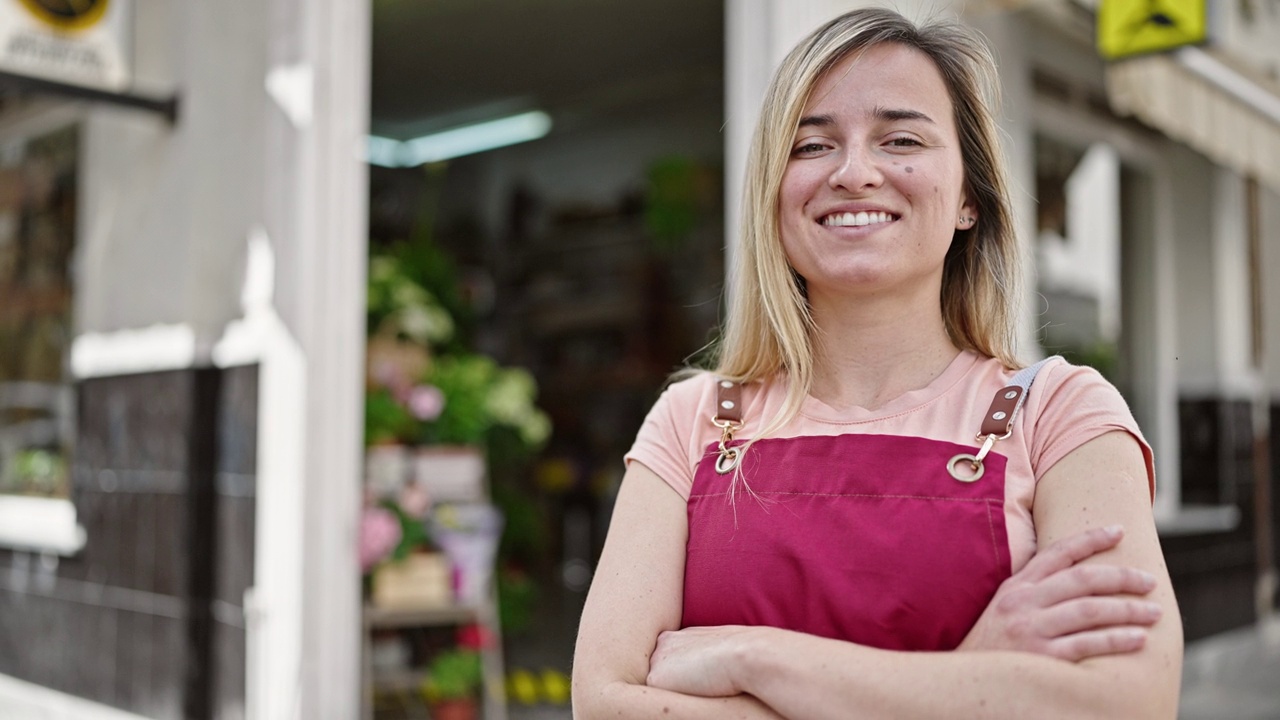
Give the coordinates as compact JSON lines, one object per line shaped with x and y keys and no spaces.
{"x":769,"y":328}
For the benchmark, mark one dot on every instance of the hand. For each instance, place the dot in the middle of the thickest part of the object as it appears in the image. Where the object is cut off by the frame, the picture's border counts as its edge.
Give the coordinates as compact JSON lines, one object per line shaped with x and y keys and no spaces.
{"x":1055,"y":607}
{"x":698,"y":660}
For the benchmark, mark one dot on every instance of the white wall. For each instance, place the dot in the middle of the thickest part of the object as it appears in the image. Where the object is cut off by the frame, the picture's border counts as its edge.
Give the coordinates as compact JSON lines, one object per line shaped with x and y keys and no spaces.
{"x":166,"y":216}
{"x":166,"y":210}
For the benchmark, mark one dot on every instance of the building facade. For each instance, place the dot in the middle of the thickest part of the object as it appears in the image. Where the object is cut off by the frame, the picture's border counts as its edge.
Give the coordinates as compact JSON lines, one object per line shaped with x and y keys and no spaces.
{"x":200,"y":560}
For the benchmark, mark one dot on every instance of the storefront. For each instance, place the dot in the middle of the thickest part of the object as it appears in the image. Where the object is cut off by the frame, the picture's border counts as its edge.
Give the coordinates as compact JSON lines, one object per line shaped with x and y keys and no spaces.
{"x":183,"y":329}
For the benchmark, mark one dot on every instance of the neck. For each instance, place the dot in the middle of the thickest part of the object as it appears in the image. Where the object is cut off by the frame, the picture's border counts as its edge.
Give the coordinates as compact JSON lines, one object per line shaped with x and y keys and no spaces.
{"x":872,"y":349}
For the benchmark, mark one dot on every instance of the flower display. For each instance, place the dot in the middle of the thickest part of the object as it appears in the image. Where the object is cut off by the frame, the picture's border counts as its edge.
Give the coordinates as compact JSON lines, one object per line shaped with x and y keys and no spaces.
{"x":380,"y":533}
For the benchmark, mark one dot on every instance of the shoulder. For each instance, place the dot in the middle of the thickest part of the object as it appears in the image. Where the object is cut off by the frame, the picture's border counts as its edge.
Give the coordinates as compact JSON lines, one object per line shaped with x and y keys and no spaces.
{"x":691,"y":391}
{"x":696,"y":395}
{"x":1069,"y":405}
{"x":1065,"y":387}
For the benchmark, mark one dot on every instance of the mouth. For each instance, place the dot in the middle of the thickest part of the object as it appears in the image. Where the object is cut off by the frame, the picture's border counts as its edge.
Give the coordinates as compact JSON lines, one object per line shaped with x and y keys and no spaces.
{"x":858,"y":219}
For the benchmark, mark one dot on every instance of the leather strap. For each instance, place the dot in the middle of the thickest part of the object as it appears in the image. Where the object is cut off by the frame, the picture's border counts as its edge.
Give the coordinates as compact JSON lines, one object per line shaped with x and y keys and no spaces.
{"x":728,"y":402}
{"x":998,"y":422}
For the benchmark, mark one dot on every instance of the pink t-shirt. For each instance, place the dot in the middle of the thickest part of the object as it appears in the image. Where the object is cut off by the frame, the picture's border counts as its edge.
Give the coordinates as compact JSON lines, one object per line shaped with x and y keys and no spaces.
{"x":1066,"y":407}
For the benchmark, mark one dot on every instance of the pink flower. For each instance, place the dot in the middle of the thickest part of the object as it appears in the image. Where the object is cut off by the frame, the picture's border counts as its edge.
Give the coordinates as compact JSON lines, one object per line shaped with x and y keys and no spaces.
{"x":426,"y":402}
{"x":414,"y":500}
{"x":379,"y":534}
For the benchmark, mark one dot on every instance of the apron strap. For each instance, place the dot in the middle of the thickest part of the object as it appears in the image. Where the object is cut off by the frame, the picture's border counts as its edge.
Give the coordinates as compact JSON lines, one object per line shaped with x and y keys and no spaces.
{"x":728,"y":403}
{"x":998,"y":421}
{"x":728,"y":417}
{"x":997,"y":424}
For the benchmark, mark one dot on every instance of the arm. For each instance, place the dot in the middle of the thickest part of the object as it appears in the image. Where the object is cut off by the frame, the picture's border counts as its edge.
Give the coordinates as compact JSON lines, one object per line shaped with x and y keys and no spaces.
{"x":801,"y":676}
{"x":636,"y":594}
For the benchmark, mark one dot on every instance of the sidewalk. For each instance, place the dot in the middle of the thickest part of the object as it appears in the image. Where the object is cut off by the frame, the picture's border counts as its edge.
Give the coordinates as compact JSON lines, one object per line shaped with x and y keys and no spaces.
{"x":1233,"y":676}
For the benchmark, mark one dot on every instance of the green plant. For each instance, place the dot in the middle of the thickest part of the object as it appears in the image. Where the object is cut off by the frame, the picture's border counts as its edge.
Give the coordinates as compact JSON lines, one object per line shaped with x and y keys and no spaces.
{"x":386,"y":419}
{"x":423,"y":386}
{"x":453,"y":674}
{"x":35,"y":471}
{"x":478,"y":396}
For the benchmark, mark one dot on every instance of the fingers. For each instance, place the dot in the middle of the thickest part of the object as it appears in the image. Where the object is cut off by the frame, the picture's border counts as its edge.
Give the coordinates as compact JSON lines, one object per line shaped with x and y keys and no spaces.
{"x":1071,"y":550}
{"x":1086,"y":580}
{"x":1094,"y":613}
{"x":1111,"y":641}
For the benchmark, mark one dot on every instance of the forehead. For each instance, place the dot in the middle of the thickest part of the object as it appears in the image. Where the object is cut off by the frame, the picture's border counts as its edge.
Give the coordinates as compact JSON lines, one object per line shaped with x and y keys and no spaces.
{"x":887,"y":75}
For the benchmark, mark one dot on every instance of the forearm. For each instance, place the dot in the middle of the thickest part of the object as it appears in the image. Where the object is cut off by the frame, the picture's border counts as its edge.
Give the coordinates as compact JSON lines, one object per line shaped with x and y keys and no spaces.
{"x":624,"y":701}
{"x":802,"y":676}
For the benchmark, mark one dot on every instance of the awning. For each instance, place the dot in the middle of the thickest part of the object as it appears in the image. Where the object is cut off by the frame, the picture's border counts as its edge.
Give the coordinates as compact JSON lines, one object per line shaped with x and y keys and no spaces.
{"x":1197,"y":99}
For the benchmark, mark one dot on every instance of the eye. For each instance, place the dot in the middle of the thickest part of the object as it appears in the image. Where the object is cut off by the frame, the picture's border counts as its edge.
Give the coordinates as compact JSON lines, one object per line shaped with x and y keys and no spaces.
{"x":905,"y":142}
{"x":810,"y":148}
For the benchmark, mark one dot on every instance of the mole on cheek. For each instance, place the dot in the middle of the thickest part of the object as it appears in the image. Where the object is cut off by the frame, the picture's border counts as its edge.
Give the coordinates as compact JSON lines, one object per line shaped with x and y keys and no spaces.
{"x":910,"y":169}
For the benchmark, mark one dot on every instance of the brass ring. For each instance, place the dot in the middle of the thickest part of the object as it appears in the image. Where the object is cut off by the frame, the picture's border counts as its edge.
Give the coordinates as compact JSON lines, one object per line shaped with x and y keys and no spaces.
{"x":975,"y":463}
{"x":728,"y":460}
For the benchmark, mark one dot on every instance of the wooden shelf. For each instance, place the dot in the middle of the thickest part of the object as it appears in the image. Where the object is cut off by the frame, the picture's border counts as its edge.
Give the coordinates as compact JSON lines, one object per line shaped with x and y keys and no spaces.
{"x":377,"y":618}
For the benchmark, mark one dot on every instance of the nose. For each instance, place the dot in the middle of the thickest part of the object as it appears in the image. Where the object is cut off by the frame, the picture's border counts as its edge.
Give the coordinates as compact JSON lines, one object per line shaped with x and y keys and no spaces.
{"x":858,"y":170}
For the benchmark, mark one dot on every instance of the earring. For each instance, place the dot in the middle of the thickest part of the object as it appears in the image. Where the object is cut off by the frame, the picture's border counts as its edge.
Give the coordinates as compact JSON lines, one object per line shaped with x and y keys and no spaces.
{"x":966,"y":221}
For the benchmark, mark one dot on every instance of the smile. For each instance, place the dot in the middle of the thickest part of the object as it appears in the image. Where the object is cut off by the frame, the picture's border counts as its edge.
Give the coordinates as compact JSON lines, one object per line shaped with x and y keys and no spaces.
{"x":858,"y":219}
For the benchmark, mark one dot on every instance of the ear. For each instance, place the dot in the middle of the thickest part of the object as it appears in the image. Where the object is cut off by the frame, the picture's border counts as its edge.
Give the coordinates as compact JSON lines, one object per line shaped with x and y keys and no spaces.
{"x":967,"y":217}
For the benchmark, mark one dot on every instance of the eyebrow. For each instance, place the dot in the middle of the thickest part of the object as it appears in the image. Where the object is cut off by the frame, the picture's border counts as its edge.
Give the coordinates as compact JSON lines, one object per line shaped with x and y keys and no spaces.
{"x":897,"y":114}
{"x":817,"y":121}
{"x":880,"y":113}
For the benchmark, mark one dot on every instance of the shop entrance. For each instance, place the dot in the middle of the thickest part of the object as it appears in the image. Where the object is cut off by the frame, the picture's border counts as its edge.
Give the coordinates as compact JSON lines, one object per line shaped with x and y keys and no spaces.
{"x":584,"y":252}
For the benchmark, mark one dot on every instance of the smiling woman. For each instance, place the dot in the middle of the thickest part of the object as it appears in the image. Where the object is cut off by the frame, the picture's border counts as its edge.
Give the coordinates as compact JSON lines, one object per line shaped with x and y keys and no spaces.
{"x":810,"y":529}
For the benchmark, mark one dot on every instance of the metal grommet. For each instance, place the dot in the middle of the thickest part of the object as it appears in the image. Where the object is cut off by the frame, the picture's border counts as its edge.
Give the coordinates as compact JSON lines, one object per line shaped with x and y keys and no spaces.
{"x":727,"y":404}
{"x":999,"y":415}
{"x":977,"y":468}
{"x":1011,"y":395}
{"x":728,"y":460}
{"x":726,"y":384}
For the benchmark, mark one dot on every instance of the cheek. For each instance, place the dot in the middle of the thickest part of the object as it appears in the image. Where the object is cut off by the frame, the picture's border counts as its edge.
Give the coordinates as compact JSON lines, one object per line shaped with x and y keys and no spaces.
{"x":792,"y":193}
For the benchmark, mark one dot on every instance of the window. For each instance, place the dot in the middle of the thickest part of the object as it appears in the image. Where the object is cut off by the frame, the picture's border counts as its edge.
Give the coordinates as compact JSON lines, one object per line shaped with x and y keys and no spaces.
{"x":37,"y":239}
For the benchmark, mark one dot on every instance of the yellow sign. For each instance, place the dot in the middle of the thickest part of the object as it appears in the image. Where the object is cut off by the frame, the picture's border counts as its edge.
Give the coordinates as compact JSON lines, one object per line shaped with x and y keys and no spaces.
{"x":1136,"y":27}
{"x":67,"y":14}
{"x":78,"y":42}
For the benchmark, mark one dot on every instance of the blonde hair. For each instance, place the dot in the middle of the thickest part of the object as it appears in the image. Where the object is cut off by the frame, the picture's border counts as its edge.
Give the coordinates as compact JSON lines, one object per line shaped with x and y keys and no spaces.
{"x":769,"y":329}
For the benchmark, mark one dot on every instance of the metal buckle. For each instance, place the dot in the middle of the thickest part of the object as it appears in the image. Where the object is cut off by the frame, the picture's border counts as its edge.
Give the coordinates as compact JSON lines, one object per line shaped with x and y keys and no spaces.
{"x":977,"y":469}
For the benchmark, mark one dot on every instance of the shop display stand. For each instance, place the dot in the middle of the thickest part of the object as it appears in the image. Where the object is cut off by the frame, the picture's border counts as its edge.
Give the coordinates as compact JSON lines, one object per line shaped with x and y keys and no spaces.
{"x":493,"y":704}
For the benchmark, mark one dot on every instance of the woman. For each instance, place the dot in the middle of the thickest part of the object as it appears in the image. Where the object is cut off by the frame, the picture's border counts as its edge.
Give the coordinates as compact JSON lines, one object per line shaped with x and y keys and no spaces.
{"x":793,"y":523}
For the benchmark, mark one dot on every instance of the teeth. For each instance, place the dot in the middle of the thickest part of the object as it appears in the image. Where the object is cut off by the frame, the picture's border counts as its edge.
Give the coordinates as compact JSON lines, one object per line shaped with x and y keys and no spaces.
{"x":856,"y":219}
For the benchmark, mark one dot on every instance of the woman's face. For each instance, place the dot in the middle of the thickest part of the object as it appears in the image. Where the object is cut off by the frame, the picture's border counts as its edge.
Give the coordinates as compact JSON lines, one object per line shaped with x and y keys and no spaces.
{"x":874,"y":189}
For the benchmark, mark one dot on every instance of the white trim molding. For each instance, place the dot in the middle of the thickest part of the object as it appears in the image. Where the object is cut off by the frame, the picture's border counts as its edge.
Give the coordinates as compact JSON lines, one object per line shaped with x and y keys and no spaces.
{"x":126,"y":352}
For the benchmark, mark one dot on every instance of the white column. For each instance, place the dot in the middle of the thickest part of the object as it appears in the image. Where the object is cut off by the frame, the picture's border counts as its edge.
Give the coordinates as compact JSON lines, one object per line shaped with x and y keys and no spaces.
{"x":305,"y":647}
{"x":748,"y":66}
{"x":1232,"y":304}
{"x":1269,"y":204}
{"x":1006,"y":36}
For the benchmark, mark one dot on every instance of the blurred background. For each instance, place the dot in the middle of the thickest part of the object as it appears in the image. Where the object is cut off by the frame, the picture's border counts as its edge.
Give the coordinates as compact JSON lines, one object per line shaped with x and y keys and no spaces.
{"x":325,"y":324}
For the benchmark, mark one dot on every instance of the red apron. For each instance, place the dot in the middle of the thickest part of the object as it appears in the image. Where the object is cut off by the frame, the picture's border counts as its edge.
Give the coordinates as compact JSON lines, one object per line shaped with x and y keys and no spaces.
{"x":883,"y":540}
{"x":865,"y":538}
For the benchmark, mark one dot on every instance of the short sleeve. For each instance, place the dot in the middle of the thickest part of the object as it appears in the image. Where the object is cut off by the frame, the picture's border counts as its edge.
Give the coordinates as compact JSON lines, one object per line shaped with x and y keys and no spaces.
{"x":1070,"y":405}
{"x":668,"y":442}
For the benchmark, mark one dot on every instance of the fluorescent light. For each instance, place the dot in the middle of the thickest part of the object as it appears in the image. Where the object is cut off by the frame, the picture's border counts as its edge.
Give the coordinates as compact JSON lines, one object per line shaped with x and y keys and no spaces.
{"x":459,"y":141}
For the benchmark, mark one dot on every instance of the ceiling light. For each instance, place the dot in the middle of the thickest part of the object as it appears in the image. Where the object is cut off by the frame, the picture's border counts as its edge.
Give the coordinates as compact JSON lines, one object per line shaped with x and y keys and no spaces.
{"x":459,"y":141}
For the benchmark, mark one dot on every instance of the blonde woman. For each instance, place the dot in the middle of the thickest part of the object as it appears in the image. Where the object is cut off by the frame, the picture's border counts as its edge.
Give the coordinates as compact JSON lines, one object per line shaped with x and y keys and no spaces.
{"x":868,"y":508}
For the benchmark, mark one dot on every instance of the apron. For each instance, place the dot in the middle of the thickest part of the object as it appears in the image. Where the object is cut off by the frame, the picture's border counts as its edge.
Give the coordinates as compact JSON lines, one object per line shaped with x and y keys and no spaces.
{"x":887,"y":541}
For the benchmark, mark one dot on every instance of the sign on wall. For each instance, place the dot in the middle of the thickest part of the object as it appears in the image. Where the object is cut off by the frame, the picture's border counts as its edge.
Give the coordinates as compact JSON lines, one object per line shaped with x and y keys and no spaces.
{"x":1137,"y":27}
{"x":80,"y":42}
